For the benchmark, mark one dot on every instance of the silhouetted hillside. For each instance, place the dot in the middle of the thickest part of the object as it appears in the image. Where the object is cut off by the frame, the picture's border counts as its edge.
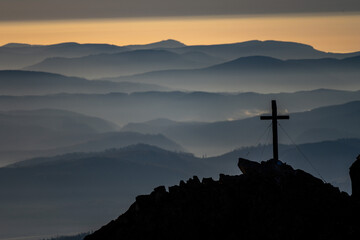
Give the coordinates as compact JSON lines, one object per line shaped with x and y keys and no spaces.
{"x":270,"y":200}
{"x":15,"y":82}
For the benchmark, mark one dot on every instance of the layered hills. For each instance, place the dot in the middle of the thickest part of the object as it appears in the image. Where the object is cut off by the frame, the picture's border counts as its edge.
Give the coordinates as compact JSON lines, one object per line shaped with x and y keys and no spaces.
{"x":47,"y":128}
{"x":18,"y":55}
{"x":104,"y":61}
{"x":17,"y":83}
{"x":48,"y":132}
{"x":15,"y":56}
{"x":319,"y":124}
{"x":111,"y":65}
{"x":123,"y":108}
{"x":260,"y":74}
{"x":276,"y":49}
{"x":68,"y":171}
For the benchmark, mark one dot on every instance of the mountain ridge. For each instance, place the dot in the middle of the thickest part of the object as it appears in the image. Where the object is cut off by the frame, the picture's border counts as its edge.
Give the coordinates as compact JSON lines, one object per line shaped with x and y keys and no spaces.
{"x":333,"y":122}
{"x":256,"y":73}
{"x":122,"y":108}
{"x":169,"y":43}
{"x":276,"y":49}
{"x":21,"y":82}
{"x":113,"y":64}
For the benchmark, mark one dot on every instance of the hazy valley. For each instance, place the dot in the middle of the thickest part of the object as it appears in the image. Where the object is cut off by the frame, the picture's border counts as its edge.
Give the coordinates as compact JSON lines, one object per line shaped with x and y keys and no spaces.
{"x":85,"y":128}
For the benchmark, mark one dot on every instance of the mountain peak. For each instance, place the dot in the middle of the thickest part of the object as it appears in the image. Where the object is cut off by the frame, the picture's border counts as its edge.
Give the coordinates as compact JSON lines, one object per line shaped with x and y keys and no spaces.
{"x":173,"y":42}
{"x":16,"y":45}
{"x":66,"y":44}
{"x":245,"y":63}
{"x":286,"y":43}
{"x":169,"y":43}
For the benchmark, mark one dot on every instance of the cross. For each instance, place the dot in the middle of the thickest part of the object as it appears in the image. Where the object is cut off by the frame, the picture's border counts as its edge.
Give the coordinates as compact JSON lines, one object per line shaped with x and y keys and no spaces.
{"x":274,"y":117}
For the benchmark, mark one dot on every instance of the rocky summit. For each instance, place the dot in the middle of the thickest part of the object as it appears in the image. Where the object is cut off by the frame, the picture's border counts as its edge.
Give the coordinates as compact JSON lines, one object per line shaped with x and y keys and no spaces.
{"x":270,"y":200}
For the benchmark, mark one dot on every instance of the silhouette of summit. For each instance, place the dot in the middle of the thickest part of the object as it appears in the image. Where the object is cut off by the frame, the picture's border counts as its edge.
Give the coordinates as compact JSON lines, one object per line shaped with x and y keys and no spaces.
{"x":270,"y":200}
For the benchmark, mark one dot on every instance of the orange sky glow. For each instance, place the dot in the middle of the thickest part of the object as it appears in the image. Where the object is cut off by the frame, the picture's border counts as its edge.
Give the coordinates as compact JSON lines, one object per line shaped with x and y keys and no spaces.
{"x":333,"y":33}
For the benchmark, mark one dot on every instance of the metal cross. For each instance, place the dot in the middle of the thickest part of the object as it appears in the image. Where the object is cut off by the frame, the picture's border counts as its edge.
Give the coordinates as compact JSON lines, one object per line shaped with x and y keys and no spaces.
{"x":274,"y":117}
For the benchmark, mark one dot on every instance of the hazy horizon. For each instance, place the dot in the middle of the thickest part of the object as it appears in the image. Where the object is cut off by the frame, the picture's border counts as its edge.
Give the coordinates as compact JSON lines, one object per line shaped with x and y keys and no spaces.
{"x":84,"y":129}
{"x":120,"y":44}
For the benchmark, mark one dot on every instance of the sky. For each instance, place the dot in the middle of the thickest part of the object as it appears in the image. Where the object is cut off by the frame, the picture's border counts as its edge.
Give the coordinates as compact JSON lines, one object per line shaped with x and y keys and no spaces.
{"x":328,"y":25}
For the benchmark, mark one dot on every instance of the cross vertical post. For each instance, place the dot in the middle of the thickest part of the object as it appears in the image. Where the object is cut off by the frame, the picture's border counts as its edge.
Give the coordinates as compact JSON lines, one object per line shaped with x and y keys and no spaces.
{"x":274,"y":117}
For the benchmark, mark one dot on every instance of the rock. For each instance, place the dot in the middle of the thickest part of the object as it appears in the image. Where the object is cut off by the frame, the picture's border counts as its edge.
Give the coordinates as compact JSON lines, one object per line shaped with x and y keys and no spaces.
{"x":272,"y":166}
{"x":207,"y":181}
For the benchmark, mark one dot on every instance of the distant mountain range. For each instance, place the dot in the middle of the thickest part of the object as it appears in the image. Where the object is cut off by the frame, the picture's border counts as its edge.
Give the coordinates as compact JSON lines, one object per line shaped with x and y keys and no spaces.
{"x":16,"y":82}
{"x":26,"y":134}
{"x":276,"y":49}
{"x":326,"y":123}
{"x":15,"y":56}
{"x":260,"y":74}
{"x":47,"y":132}
{"x":124,"y":63}
{"x":123,"y":108}
{"x":102,"y":60}
{"x":26,"y":129}
{"x":67,"y":171}
{"x":90,"y":143}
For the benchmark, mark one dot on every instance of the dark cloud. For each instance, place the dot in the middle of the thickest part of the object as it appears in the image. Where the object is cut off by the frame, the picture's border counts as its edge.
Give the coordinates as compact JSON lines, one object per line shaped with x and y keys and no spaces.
{"x":11,"y":10}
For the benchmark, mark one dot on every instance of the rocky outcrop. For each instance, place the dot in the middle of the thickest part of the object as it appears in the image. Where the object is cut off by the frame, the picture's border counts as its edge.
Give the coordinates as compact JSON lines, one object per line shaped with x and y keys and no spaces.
{"x":270,"y":200}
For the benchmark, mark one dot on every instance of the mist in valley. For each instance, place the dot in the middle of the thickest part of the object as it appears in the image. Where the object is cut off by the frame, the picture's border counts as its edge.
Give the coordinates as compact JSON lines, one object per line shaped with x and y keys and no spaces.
{"x":85,"y":128}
